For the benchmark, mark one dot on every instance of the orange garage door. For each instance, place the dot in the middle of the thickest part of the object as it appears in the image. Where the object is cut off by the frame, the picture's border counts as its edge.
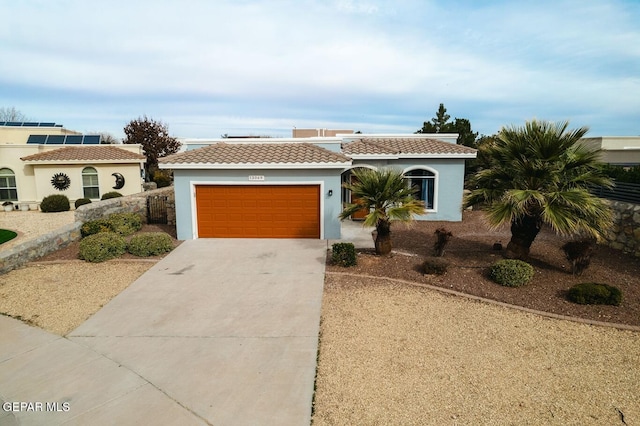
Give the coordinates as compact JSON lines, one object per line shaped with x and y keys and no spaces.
{"x":258,"y":211}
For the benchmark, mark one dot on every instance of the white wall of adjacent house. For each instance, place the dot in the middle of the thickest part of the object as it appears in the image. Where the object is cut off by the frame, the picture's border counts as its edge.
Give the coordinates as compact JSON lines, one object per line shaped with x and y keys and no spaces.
{"x":43,"y":175}
{"x":33,"y":180}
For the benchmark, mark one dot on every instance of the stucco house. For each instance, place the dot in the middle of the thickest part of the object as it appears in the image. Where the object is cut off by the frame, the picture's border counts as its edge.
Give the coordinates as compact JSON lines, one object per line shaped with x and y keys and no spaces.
{"x":40,"y":159}
{"x":292,"y":187}
{"x":617,"y":150}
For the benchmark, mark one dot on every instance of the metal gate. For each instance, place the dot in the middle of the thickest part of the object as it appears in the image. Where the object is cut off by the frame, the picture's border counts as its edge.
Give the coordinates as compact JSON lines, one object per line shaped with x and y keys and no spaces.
{"x":157,"y":209}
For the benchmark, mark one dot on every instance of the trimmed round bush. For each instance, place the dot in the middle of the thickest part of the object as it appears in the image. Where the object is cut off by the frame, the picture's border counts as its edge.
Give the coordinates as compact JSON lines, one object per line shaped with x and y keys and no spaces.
{"x":102,"y":246}
{"x":81,"y":202}
{"x":125,"y":223}
{"x":595,"y":294}
{"x":150,"y":244}
{"x":112,"y":194}
{"x":434,"y":266}
{"x":344,"y":254}
{"x":511,"y":272}
{"x":55,"y":203}
{"x":94,"y":227}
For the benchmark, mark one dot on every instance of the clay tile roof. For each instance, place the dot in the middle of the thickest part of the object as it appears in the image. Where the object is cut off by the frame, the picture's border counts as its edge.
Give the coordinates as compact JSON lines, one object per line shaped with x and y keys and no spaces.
{"x":398,"y":146}
{"x":85,"y":153}
{"x":245,"y":153}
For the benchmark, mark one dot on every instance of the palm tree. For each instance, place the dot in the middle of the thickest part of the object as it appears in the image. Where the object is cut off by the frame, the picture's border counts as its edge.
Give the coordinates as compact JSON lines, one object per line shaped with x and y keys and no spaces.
{"x":387,"y":196}
{"x":539,"y":174}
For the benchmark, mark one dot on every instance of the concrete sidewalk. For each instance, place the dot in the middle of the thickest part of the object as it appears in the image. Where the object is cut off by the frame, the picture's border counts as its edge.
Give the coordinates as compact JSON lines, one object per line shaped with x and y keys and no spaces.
{"x":221,"y":331}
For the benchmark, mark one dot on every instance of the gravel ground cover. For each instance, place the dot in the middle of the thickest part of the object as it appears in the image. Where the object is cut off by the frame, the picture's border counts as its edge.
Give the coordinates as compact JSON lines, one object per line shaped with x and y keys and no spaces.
{"x":470,"y":253}
{"x":31,"y":224}
{"x":396,"y":354}
{"x":58,"y":297}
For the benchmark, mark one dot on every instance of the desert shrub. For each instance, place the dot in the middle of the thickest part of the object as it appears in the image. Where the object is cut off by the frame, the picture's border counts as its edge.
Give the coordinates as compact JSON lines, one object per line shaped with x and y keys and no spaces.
{"x":434,"y":266}
{"x":578,"y":253}
{"x":443,"y":236}
{"x":595,"y":294}
{"x":112,"y":194}
{"x":94,"y":227}
{"x":125,"y":223}
{"x":102,"y":246}
{"x":162,"y":179}
{"x":511,"y":272}
{"x":81,"y":202}
{"x":55,"y":203}
{"x":150,"y":244}
{"x":344,"y":254}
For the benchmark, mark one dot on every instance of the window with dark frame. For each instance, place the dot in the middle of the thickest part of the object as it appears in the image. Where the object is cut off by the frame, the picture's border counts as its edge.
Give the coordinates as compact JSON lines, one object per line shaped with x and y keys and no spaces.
{"x":424,"y":183}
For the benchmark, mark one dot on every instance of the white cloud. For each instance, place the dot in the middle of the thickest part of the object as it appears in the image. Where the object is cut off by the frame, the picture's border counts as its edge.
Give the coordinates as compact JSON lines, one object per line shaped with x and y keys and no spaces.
{"x":265,"y":60}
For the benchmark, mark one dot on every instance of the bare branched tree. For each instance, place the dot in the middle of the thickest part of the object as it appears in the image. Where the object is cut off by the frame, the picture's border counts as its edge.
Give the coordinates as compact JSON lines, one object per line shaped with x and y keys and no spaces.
{"x":12,"y":114}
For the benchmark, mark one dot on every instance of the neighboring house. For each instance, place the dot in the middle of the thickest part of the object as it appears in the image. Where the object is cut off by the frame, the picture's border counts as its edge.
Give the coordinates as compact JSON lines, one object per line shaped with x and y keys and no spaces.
{"x":292,"y":187}
{"x":40,"y":159}
{"x":314,"y":133}
{"x":618,"y":150}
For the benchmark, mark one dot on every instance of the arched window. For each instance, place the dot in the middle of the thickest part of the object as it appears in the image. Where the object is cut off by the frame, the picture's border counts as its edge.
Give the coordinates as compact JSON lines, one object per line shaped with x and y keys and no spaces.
{"x":90,"y":183}
{"x":424,"y":182}
{"x":8,"y":189}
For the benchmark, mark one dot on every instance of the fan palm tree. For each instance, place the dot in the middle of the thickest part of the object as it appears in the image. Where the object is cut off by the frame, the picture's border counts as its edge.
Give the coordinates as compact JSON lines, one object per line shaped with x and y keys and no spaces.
{"x":539,"y":174}
{"x":388,"y":198}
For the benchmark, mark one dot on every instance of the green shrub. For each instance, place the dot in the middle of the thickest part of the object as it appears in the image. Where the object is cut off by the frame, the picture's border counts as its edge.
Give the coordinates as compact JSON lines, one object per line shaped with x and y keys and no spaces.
{"x":511,"y":272}
{"x":55,"y":203}
{"x":150,"y":244}
{"x":344,"y":254}
{"x":102,"y":246}
{"x":595,"y":294}
{"x":95,"y":227}
{"x":125,"y":223}
{"x":162,"y":179}
{"x":112,"y":194}
{"x":81,"y":202}
{"x":434,"y":266}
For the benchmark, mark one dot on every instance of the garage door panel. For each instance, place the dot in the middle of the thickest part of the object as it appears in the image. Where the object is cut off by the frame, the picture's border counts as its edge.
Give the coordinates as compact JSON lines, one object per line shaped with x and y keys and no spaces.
{"x":258,"y":211}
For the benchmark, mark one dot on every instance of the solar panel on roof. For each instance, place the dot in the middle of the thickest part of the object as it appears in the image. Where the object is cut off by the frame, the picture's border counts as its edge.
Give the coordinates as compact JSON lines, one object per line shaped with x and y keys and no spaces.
{"x":39,"y":139}
{"x":92,"y":140}
{"x":13,"y":124}
{"x":47,"y":124}
{"x":73,"y":140}
{"x":55,"y":140}
{"x":30,"y":124}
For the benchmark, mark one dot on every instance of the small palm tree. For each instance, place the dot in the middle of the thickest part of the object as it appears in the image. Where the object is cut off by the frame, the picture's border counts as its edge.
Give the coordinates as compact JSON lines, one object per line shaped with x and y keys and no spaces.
{"x":387,"y":196}
{"x":538,"y":174}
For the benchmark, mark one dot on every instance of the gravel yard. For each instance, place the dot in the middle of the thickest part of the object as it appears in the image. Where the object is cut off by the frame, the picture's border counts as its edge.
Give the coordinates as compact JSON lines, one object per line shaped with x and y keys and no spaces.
{"x":396,"y":354}
{"x":31,"y":224}
{"x":59,"y":297}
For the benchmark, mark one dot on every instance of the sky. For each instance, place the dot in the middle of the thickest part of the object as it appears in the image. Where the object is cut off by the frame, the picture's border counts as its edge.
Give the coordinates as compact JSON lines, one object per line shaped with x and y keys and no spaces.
{"x":243,"y":67}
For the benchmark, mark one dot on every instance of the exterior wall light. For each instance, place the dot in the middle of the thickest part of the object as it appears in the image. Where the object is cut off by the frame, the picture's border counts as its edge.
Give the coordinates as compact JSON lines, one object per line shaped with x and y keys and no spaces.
{"x":330,"y":192}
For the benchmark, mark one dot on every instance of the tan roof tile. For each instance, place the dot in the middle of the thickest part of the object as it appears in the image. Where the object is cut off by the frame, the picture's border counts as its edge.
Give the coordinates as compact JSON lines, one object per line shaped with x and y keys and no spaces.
{"x":85,"y":153}
{"x":249,"y":153}
{"x":407,"y":146}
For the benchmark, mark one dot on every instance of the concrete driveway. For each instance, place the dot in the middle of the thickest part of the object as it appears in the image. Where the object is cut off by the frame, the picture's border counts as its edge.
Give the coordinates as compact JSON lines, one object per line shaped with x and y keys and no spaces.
{"x":221,"y":331}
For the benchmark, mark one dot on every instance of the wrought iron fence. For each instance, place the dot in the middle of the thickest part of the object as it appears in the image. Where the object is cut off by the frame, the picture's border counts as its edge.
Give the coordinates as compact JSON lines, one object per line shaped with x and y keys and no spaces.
{"x":621,"y":191}
{"x":157,"y":209}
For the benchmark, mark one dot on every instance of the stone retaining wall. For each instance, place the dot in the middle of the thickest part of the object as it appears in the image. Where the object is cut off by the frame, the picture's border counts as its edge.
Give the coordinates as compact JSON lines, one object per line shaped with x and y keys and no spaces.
{"x":136,"y":203}
{"x":625,"y":233}
{"x":33,"y":249}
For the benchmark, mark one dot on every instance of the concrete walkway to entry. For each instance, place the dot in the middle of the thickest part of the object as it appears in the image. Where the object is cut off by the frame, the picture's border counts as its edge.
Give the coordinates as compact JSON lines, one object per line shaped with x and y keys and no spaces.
{"x":221,"y":331}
